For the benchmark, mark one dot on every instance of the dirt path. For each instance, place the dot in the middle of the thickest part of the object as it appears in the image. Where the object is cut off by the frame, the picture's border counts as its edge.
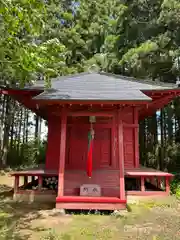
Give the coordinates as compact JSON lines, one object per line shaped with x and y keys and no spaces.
{"x":148,"y":221}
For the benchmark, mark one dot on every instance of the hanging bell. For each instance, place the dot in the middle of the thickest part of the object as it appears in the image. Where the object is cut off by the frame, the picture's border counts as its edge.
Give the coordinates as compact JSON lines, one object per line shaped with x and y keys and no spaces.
{"x":92,"y":119}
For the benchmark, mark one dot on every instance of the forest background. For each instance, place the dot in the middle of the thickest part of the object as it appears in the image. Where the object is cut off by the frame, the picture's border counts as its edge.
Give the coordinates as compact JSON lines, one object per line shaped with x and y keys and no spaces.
{"x":41,"y":39}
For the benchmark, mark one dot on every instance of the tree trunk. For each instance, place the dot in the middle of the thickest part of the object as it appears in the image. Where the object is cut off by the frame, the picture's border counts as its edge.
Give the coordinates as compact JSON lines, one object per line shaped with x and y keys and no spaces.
{"x":19,"y":131}
{"x":8,"y":118}
{"x":2,"y":123}
{"x":27,"y":122}
{"x":161,"y":163}
{"x":37,"y":132}
{"x":12,"y":126}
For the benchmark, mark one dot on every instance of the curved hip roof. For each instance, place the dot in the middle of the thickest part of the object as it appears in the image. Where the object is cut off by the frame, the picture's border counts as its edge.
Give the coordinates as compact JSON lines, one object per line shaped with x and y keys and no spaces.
{"x":98,"y":86}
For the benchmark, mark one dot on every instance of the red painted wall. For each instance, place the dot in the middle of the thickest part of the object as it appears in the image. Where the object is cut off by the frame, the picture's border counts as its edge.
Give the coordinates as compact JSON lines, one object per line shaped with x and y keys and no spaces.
{"x":77,"y":147}
{"x":105,"y":154}
{"x":129,"y":137}
{"x":127,"y":115}
{"x":129,"y":154}
{"x":107,"y":179}
{"x":52,"y":152}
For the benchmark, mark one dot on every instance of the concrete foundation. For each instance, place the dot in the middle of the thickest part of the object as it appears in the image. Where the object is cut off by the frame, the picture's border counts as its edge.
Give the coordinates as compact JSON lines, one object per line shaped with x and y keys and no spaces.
{"x":32,"y":196}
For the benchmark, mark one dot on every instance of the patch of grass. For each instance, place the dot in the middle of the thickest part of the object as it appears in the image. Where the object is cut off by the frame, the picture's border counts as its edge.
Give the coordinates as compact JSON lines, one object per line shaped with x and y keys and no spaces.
{"x":151,"y":220}
{"x":129,"y":208}
{"x":90,"y":232}
{"x":149,"y":204}
{"x":80,"y":231}
{"x":152,"y":204}
{"x":51,"y":235}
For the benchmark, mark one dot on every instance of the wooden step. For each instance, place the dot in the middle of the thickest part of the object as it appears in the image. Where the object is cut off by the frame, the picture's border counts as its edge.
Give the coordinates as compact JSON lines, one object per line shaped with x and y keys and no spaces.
{"x":88,"y":203}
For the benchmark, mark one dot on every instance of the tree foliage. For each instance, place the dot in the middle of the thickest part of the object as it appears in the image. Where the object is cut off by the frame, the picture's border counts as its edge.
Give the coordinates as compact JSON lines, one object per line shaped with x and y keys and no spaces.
{"x":50,"y":38}
{"x":24,"y":52}
{"x":46,"y":38}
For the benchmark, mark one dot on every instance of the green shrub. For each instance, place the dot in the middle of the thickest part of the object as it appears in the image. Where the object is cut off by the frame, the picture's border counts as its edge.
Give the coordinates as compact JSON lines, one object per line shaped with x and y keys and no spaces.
{"x":31,"y":153}
{"x":175,"y":187}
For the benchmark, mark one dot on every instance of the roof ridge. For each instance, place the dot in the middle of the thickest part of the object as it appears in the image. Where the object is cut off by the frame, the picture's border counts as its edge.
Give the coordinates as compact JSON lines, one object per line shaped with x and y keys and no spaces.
{"x":133,"y":79}
{"x":64,"y":77}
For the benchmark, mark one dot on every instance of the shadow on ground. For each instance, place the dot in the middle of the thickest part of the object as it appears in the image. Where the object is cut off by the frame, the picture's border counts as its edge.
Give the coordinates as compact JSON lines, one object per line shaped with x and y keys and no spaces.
{"x":87,"y":212}
{"x":148,"y":220}
{"x":15,"y":217}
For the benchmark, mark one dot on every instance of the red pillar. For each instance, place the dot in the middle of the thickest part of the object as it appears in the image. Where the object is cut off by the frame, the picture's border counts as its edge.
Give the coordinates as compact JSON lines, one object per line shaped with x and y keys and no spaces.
{"x":159,"y":182}
{"x":136,"y":139}
{"x":121,"y":156}
{"x":62,"y":154}
{"x":40,"y":182}
{"x":16,"y":183}
{"x":25,"y":180}
{"x":114,"y":142}
{"x":167,"y":185}
{"x":142,"y":184}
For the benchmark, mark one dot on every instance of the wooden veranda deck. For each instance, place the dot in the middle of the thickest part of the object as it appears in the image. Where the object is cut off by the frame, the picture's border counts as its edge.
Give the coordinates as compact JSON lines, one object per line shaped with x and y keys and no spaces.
{"x":149,"y":176}
{"x":144,"y":171}
{"x":142,"y":176}
{"x":141,"y":171}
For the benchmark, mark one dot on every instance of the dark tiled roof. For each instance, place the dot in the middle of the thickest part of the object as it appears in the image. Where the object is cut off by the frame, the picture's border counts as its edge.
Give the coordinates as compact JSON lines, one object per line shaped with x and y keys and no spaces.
{"x":93,"y":95}
{"x":98,"y":86}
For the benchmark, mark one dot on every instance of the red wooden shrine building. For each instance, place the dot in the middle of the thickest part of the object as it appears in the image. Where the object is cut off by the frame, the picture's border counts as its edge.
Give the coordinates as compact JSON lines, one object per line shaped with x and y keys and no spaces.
{"x":109,"y":107}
